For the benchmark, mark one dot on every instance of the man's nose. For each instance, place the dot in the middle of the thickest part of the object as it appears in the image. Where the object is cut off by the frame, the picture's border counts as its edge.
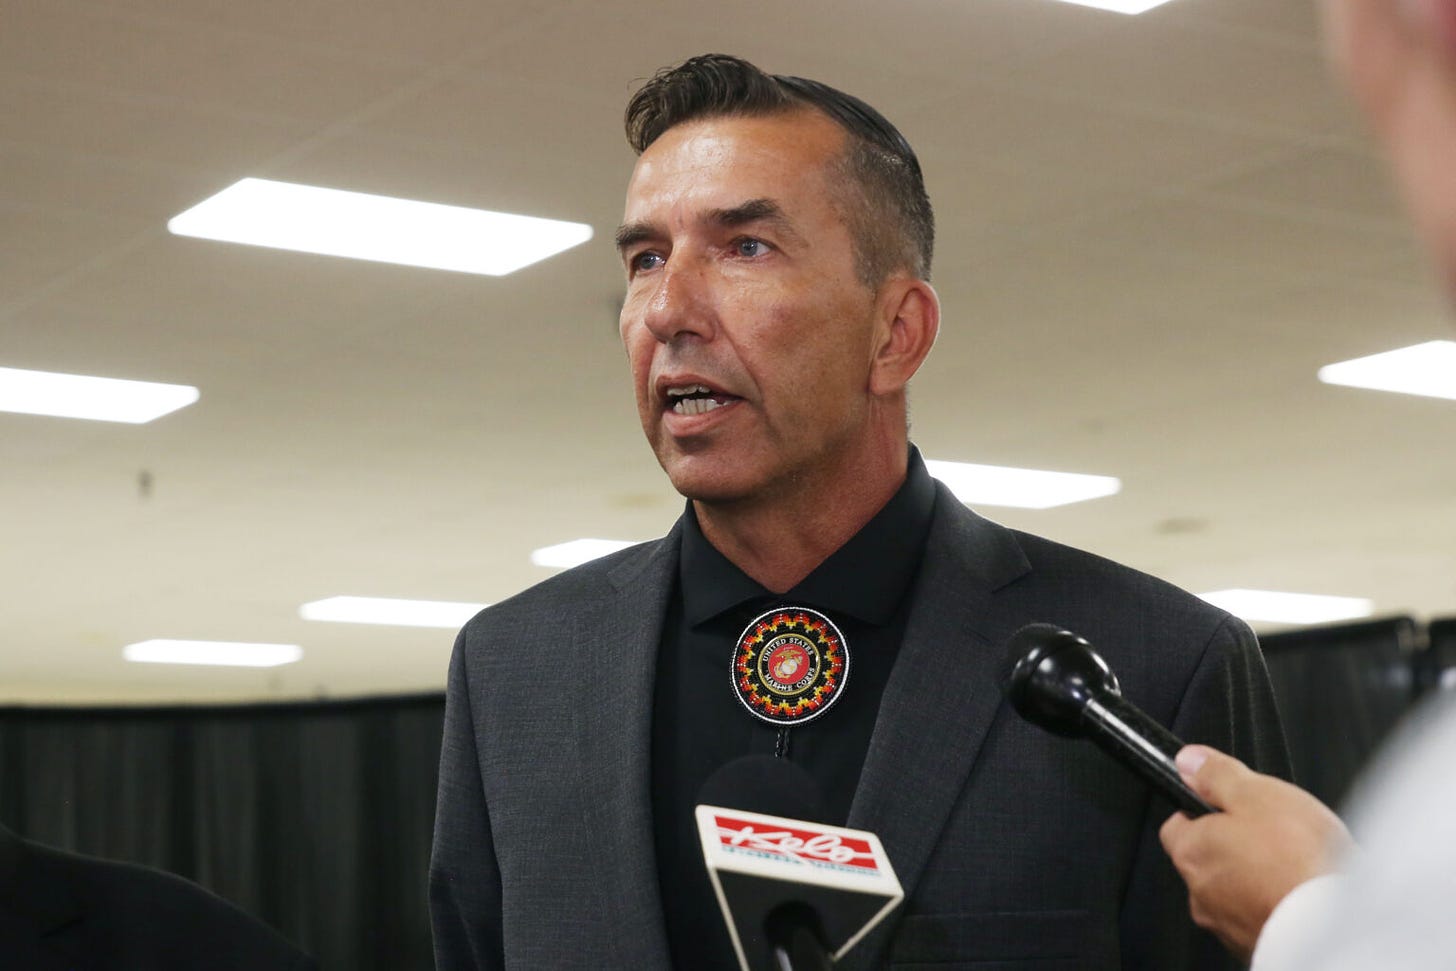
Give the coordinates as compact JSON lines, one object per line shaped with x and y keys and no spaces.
{"x":681,"y":305}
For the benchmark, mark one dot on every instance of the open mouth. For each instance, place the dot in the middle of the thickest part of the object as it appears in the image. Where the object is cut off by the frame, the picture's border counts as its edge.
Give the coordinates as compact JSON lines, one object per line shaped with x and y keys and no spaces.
{"x":696,"y":399}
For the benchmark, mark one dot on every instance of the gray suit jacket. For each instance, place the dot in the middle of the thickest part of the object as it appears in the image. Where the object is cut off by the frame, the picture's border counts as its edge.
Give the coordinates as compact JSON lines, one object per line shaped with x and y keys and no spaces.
{"x":1016,"y":849}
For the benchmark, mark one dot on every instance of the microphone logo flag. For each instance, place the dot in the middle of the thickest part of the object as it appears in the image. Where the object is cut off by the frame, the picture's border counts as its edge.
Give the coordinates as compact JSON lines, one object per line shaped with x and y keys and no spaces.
{"x":817,"y":846}
{"x":758,"y":863}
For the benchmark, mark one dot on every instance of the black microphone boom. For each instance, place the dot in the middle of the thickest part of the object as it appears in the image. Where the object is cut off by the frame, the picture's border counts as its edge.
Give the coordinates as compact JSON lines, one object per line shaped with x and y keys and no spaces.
{"x":1054,"y":679}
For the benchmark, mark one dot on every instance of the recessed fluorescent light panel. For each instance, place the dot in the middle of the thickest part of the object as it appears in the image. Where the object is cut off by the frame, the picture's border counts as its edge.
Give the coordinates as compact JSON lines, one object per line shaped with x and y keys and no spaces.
{"x":100,"y":399}
{"x":577,"y":552}
{"x":1120,"y":6}
{"x":398,"y":613}
{"x":334,"y":222}
{"x":1289,"y":608}
{"x":213,"y":652}
{"x":1425,"y":369}
{"x":995,"y":485}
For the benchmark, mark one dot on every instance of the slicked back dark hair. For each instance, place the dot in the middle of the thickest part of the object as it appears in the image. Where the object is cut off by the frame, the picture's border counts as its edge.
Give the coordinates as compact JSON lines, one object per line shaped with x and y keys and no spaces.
{"x":888,"y":212}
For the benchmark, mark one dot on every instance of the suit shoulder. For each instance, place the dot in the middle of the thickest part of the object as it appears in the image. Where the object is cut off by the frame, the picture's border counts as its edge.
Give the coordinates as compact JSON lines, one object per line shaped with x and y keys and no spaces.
{"x":579,"y":585}
{"x":133,"y":914}
{"x":1108,"y":601}
{"x":1089,"y":574}
{"x":1161,"y":640}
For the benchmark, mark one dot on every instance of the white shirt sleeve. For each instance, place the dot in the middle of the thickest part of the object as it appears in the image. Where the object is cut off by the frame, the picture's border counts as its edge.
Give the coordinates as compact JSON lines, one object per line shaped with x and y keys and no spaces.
{"x":1297,"y":919}
{"x":1394,"y":907}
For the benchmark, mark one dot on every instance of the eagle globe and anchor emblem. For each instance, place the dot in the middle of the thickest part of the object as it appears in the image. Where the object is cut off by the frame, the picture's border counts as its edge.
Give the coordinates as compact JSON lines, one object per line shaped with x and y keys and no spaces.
{"x":790,"y":665}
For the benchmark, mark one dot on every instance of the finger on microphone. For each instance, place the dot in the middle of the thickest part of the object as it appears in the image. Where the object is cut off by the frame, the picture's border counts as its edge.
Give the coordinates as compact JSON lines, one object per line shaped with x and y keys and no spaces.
{"x":1171,"y":833}
{"x":1212,"y":774}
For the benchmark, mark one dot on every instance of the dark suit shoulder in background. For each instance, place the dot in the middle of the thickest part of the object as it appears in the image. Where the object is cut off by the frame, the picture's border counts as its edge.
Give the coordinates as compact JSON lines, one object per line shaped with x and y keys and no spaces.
{"x":61,"y":910}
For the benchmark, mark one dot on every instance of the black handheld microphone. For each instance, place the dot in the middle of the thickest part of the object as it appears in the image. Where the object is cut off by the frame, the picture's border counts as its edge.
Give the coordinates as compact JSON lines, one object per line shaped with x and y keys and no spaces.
{"x":796,"y":895}
{"x":1054,"y":679}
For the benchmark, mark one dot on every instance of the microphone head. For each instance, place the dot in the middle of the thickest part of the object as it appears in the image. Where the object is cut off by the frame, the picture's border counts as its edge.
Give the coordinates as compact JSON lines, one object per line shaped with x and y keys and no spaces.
{"x":764,"y":784}
{"x":1050,"y":674}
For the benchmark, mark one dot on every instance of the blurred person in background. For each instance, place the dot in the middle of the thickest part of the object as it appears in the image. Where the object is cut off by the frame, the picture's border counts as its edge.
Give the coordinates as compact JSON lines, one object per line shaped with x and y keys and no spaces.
{"x":1277,"y":876}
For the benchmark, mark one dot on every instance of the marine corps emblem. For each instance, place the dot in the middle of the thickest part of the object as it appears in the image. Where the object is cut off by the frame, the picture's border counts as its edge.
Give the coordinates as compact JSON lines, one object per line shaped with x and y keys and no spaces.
{"x":790,"y":665}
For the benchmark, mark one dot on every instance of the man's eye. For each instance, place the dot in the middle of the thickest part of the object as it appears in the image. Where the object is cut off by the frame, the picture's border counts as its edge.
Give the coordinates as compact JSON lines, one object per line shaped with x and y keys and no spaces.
{"x":750,"y":247}
{"x":645,"y":261}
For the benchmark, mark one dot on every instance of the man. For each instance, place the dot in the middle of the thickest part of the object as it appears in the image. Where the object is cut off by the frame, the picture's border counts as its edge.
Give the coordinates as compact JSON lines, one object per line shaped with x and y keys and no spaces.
{"x":777,"y":243}
{"x":64,"y":912}
{"x":1274,"y":849}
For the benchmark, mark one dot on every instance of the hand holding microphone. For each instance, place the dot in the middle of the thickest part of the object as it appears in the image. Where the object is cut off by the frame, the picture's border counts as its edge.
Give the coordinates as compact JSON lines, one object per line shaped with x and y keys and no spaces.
{"x":1054,"y":679}
{"x":1268,"y":837}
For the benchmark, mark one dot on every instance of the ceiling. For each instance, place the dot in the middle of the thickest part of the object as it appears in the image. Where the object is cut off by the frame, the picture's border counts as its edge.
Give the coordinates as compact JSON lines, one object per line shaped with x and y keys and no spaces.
{"x":1153,"y":231}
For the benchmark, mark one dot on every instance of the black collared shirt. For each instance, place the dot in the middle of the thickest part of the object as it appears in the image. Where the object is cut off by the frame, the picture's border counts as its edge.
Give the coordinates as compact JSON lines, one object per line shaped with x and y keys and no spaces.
{"x":699,"y":724}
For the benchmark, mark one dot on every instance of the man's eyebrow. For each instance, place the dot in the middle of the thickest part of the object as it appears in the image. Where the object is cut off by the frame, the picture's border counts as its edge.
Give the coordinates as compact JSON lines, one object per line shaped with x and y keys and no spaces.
{"x":757,"y":211}
{"x":752,"y":211}
{"x":630,"y":234}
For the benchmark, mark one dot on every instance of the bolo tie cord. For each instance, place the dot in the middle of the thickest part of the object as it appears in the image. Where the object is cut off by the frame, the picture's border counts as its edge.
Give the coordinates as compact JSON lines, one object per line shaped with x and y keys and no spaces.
{"x":781,"y":744}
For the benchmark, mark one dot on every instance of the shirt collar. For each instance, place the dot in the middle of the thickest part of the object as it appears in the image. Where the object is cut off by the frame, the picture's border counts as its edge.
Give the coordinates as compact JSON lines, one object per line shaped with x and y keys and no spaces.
{"x":865,"y":578}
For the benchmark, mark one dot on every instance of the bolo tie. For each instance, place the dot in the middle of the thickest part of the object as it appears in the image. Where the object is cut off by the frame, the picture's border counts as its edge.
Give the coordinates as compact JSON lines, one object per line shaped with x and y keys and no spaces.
{"x":789,"y":667}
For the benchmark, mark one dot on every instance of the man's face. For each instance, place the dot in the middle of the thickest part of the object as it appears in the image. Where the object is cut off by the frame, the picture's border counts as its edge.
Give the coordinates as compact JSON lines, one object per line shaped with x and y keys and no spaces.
{"x":749,"y":336}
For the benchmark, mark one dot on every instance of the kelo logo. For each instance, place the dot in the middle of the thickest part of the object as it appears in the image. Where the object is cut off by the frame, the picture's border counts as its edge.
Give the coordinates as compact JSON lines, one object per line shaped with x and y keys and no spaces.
{"x":804,"y":845}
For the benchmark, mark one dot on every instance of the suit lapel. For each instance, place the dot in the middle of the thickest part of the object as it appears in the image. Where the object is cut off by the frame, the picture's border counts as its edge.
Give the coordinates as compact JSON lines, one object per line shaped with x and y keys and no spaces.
{"x":941,"y":696}
{"x":616,"y":749}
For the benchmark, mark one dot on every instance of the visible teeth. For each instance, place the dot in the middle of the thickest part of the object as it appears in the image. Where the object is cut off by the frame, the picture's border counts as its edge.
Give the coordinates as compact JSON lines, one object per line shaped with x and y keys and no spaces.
{"x":687,"y":389}
{"x":696,"y":406}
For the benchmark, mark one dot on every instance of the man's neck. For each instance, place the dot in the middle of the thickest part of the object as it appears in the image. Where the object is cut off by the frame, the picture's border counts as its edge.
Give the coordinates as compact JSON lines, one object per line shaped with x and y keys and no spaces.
{"x":778,"y":541}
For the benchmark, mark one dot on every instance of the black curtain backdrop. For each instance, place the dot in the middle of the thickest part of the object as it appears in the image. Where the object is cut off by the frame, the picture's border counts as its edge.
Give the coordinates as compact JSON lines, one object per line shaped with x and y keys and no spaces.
{"x":1437,"y":670}
{"x":1340,"y":690}
{"x":316,"y":818}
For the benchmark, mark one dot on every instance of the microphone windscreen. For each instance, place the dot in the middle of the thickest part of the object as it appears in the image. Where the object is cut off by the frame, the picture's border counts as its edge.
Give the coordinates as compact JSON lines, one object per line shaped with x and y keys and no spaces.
{"x":1024,"y":651}
{"x":1049,"y":675}
{"x":764,"y":784}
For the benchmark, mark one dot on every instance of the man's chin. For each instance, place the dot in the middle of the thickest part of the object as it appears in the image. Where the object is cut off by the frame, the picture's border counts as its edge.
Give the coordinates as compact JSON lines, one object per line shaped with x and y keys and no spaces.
{"x":710,"y":493}
{"x":706,"y":482}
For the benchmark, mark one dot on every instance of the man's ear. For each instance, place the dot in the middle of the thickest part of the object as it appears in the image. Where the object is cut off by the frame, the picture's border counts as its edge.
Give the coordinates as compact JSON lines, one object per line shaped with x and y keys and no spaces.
{"x":909,"y":321}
